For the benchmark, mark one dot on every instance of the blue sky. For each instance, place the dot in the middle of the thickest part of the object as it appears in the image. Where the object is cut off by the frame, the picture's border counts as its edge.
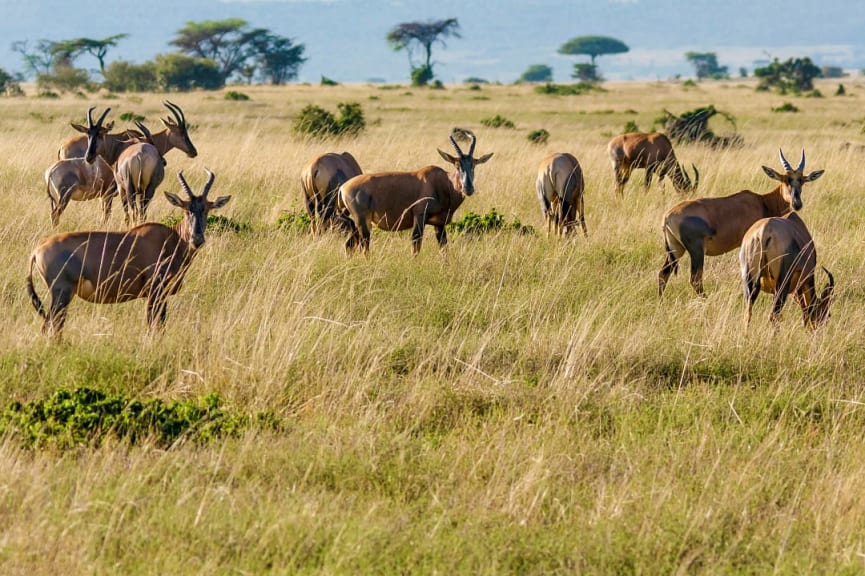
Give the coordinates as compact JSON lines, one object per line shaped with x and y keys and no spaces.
{"x":345,"y":39}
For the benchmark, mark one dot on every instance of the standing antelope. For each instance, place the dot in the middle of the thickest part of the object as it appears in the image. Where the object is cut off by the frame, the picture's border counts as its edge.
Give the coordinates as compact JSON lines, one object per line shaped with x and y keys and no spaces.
{"x":148,"y":261}
{"x":320,"y":180}
{"x":78,"y":179}
{"x":714,"y":226}
{"x":139,"y":171}
{"x":652,"y":152}
{"x":778,"y":256}
{"x":560,"y":188}
{"x":75,"y":179}
{"x":402,"y":200}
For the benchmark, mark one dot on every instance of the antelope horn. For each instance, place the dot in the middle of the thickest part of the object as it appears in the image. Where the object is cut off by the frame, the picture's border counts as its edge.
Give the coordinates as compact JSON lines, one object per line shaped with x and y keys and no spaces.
{"x":696,"y":176}
{"x":104,"y":114}
{"x":455,"y":145}
{"x":176,"y":111}
{"x":474,"y":141}
{"x":802,"y":161}
{"x":144,"y":131}
{"x":90,"y":116}
{"x":830,"y":287}
{"x":210,"y":178}
{"x":184,"y":185}
{"x":784,"y":162}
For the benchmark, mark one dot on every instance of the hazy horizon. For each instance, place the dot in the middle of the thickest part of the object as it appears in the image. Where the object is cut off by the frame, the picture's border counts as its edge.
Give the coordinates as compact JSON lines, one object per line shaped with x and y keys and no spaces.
{"x":345,"y":39}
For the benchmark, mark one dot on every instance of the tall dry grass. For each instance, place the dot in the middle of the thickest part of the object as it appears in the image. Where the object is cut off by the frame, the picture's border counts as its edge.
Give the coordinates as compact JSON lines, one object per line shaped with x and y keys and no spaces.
{"x":518,"y":405}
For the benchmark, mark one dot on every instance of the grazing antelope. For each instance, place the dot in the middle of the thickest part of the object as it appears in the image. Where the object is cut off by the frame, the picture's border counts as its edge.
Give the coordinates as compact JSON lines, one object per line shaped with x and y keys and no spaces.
{"x":320,"y":180}
{"x":778,"y":256}
{"x":148,"y":261}
{"x":402,"y":200}
{"x":140,"y":169}
{"x":75,"y":179}
{"x":714,"y":226}
{"x":652,"y":152}
{"x":560,"y":187}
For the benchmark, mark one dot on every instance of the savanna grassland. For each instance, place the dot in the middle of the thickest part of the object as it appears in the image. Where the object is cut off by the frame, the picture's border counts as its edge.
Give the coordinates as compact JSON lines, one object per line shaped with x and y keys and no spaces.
{"x":520,"y":404}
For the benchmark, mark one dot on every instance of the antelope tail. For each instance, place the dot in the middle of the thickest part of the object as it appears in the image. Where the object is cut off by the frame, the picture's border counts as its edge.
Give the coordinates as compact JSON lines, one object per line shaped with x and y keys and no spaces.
{"x":34,"y":297}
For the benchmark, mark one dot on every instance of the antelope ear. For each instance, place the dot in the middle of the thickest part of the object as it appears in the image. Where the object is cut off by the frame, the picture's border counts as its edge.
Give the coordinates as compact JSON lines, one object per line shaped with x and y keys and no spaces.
{"x":175,"y":200}
{"x":484,"y":158}
{"x":78,"y":127}
{"x":447,"y":157}
{"x":772,"y":174}
{"x":220,"y":202}
{"x":814,"y":175}
{"x":109,"y":126}
{"x":166,"y":122}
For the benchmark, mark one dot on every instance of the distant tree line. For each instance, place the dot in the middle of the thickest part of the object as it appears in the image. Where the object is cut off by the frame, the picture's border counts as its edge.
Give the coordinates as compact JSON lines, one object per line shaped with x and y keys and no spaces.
{"x":209,"y":54}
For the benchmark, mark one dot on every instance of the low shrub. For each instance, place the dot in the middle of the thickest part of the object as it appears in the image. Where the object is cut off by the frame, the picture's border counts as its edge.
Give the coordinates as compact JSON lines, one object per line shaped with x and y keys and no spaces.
{"x":476,"y":224}
{"x":236,"y":96}
{"x":294,"y":222}
{"x":497,"y":121}
{"x":786,"y":107}
{"x":539,"y":136}
{"x":318,"y":122}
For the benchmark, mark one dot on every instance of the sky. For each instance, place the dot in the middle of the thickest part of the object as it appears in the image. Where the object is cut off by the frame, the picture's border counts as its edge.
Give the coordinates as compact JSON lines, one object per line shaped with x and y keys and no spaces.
{"x":345,"y":39}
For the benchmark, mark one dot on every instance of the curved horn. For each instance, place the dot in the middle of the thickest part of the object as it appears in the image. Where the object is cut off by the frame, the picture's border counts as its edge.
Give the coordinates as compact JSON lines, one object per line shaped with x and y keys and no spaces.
{"x":176,"y":111}
{"x":474,"y":141}
{"x":90,"y":116}
{"x":210,"y":178}
{"x":784,"y":162}
{"x":455,"y":145}
{"x":184,"y":185}
{"x":104,"y":114}
{"x":696,"y":176}
{"x":802,"y":161}
{"x":144,"y":131}
{"x":830,"y":287}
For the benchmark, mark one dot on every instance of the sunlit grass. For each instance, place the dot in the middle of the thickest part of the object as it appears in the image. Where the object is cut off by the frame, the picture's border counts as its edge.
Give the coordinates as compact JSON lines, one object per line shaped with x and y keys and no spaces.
{"x":516,"y":404}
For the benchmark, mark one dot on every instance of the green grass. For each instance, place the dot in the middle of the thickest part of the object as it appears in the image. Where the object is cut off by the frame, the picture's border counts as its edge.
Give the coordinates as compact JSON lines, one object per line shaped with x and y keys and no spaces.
{"x":515,"y":404}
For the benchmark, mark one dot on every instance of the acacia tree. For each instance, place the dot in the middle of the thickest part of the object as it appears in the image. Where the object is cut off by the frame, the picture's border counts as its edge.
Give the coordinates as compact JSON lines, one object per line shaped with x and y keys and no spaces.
{"x":232,"y":44}
{"x":706,"y":65}
{"x":69,"y":50}
{"x":38,"y":59}
{"x":592,"y":46}
{"x":412,"y":35}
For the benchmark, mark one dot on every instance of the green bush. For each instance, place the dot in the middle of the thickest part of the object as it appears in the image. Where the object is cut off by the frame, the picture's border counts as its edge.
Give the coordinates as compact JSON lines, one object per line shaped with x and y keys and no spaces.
{"x":785,"y":107}
{"x":132,"y":117}
{"x":294,"y":222}
{"x":568,"y":89}
{"x":476,"y":224}
{"x":539,"y":136}
{"x":497,"y":121}
{"x":85,"y":416}
{"x":122,"y":76}
{"x":316,"y":121}
{"x":236,"y":96}
{"x":325,"y":81}
{"x":176,"y":71}
{"x":64,"y":78}
{"x":421,"y":75}
{"x":216,"y":223}
{"x":8,"y":85}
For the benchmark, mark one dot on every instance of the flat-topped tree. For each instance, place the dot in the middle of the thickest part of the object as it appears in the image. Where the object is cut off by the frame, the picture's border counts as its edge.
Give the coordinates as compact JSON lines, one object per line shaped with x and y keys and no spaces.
{"x":409,"y":35}
{"x":591,"y":46}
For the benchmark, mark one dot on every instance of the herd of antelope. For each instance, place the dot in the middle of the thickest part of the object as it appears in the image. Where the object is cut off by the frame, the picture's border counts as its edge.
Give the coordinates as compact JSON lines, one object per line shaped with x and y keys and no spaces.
{"x":150,"y":260}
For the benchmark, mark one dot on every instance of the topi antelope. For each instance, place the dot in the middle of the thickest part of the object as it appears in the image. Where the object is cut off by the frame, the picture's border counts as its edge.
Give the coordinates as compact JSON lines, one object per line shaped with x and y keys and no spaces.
{"x":402,"y":200}
{"x":139,"y":171}
{"x":560,"y":187}
{"x":148,"y":261}
{"x":90,"y":139}
{"x":75,"y":179}
{"x":652,"y":152}
{"x":320,"y":180}
{"x":714,"y":226}
{"x":778,"y":256}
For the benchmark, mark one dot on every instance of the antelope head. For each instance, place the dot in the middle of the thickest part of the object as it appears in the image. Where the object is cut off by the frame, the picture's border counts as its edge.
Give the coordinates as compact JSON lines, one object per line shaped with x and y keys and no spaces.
{"x":792,"y":179}
{"x":818,"y":313}
{"x":95,"y":133}
{"x":195,"y":209}
{"x":178,"y":130}
{"x":465,"y":163}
